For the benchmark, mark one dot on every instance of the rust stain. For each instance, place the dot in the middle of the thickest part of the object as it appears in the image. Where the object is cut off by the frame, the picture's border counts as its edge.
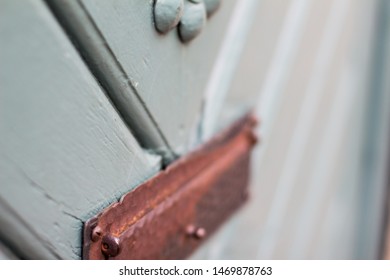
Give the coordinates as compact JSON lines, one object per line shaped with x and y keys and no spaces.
{"x":169,"y":216}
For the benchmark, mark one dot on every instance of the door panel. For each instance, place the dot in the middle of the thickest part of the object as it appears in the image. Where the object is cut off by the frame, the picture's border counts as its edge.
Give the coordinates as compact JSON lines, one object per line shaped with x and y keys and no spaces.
{"x":146,"y":69}
{"x":313,"y":71}
{"x":65,"y":153}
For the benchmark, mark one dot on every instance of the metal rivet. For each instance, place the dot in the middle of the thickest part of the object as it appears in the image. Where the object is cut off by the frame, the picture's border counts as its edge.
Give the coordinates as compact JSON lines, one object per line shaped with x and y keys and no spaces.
{"x":200,"y":233}
{"x":197,"y":232}
{"x":96,"y":234}
{"x":110,"y":246}
{"x":167,"y":14}
{"x":192,"y":21}
{"x":190,"y":230}
{"x":211,"y":6}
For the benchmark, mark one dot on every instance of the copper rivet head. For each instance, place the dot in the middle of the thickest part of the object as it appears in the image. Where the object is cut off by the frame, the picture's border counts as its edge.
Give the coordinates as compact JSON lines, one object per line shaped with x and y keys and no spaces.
{"x":200,"y":233}
{"x":197,"y":232}
{"x":190,"y":230}
{"x":96,"y":234}
{"x":110,"y":246}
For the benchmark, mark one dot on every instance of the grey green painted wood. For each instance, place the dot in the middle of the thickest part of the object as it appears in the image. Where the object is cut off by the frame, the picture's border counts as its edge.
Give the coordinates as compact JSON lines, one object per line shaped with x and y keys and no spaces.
{"x":312,"y":57}
{"x":155,"y":80}
{"x":65,"y":153}
{"x":167,"y":14}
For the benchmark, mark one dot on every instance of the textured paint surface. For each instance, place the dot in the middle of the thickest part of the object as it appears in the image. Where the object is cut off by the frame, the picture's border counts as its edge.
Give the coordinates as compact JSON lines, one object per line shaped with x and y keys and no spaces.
{"x":285,"y":59}
{"x":122,"y":89}
{"x":163,"y":73}
{"x":64,"y":151}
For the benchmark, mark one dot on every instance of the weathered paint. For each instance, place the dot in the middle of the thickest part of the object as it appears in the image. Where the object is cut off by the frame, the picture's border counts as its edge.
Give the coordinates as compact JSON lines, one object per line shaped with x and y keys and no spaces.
{"x":332,"y":235}
{"x":146,"y":74}
{"x":65,"y":153}
{"x":122,"y":89}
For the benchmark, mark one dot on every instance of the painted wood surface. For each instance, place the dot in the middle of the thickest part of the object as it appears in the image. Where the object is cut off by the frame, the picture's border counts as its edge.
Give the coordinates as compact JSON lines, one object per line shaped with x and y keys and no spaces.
{"x":317,"y":186}
{"x":143,"y":69}
{"x":65,"y":153}
{"x":307,"y":65}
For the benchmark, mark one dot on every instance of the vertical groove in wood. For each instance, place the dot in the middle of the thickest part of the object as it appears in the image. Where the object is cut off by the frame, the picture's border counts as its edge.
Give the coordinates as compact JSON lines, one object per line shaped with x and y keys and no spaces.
{"x":155,"y":80}
{"x":109,"y":71}
{"x":65,"y":153}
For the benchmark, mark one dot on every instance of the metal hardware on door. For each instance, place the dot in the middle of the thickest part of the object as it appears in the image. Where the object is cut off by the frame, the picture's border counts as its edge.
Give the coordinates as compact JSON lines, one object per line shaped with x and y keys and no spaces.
{"x":197,"y":232}
{"x":167,"y":14}
{"x":168,"y":216}
{"x":189,"y":15}
{"x":192,"y":21}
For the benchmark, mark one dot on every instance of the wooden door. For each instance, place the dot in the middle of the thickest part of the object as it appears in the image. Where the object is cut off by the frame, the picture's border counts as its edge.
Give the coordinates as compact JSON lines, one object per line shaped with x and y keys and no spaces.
{"x":96,"y":97}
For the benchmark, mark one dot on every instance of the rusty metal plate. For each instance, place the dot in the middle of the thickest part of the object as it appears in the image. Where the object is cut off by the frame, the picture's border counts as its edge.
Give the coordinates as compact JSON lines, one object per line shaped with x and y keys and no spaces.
{"x":168,"y":216}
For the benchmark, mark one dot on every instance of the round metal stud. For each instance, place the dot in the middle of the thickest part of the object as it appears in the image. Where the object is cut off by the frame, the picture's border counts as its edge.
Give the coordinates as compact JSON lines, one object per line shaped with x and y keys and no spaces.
{"x":197,"y":232}
{"x":96,"y":234}
{"x":192,"y":21}
{"x":200,"y":233}
{"x":190,"y":230}
{"x":110,"y":246}
{"x":167,"y":14}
